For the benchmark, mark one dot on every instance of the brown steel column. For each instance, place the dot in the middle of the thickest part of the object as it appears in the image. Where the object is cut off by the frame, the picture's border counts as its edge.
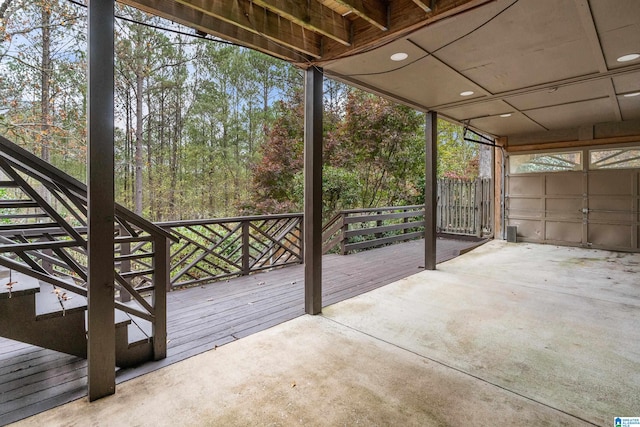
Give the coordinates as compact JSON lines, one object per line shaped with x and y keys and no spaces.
{"x":101,"y":336}
{"x":313,"y":191}
{"x":430,"y":189}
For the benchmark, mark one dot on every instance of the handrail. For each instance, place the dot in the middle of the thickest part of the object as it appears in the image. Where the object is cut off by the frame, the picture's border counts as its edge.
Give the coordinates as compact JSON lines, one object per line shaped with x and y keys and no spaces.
{"x":34,"y":165}
{"x":183,"y":223}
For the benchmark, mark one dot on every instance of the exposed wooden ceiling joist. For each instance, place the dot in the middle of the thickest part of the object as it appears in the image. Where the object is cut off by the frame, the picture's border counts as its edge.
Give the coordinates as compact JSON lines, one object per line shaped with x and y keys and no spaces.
{"x":422,"y":5}
{"x":372,"y":11}
{"x":313,"y":16}
{"x":205,"y":23}
{"x":249,"y":16}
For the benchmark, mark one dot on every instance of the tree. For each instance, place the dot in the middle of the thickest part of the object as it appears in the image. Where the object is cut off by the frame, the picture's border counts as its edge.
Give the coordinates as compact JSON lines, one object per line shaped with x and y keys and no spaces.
{"x":42,"y":67}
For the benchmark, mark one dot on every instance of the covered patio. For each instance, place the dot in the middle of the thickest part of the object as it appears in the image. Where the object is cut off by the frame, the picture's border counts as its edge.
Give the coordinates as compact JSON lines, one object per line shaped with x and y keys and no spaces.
{"x":487,"y":339}
{"x":507,"y":333}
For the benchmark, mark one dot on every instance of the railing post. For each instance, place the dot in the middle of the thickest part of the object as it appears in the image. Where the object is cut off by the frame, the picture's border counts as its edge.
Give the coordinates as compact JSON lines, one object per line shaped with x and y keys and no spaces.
{"x":246,"y":254}
{"x":478,"y":206}
{"x":379,"y":224}
{"x":161,"y":285}
{"x":343,"y":234}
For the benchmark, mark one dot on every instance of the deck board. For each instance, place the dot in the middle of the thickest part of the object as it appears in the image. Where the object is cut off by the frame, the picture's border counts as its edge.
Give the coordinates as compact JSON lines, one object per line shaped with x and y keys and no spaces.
{"x":202,"y":318}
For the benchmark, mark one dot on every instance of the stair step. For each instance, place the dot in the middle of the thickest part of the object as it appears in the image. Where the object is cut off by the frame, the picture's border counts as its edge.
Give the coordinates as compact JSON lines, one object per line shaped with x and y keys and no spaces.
{"x":139,"y":330}
{"x":122,"y":319}
{"x":49,"y":304}
{"x":24,"y":285}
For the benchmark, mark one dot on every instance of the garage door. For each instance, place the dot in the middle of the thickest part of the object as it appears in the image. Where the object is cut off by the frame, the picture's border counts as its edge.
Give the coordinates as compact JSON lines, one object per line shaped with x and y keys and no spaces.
{"x":585,"y":198}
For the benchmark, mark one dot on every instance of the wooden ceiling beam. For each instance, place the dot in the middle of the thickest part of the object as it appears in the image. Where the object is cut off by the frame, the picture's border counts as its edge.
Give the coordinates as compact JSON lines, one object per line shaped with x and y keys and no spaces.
{"x":373,"y":11}
{"x":422,"y":5}
{"x":313,"y":16}
{"x":208,"y":24}
{"x":255,"y":19}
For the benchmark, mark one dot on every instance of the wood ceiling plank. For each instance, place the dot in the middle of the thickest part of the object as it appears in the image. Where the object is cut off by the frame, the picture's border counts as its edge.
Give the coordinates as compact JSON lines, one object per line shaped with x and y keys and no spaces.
{"x":313,"y":16}
{"x":373,"y":11}
{"x":208,"y":24}
{"x":255,"y":19}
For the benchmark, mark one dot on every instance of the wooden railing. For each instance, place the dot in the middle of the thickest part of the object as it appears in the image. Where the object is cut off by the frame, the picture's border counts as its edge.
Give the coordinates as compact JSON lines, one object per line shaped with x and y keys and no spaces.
{"x":464,"y":208}
{"x":43,"y":234}
{"x":357,"y":229}
{"x":214,"y":249}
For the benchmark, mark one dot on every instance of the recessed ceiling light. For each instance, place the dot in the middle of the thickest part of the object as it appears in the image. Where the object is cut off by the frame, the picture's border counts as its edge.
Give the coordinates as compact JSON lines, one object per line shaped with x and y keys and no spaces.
{"x":400,"y":56}
{"x":505,"y":115}
{"x":629,"y":95}
{"x":466,"y":93}
{"x":629,"y":57}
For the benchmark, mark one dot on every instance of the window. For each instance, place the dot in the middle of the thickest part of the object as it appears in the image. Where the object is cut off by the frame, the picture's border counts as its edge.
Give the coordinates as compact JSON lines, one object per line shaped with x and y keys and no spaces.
{"x":615,"y":158}
{"x":545,"y":162}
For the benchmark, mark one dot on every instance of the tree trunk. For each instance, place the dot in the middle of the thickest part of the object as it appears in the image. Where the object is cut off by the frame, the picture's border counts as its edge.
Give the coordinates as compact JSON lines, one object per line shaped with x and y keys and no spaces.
{"x":45,"y":84}
{"x":138,"y":152}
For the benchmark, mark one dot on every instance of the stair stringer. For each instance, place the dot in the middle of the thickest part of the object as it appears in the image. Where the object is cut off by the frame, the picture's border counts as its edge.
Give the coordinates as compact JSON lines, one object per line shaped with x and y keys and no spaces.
{"x":18,"y":322}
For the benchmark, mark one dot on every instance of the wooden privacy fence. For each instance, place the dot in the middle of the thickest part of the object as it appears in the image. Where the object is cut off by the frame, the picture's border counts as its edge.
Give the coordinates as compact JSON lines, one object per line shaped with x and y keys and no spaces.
{"x":464,"y":207}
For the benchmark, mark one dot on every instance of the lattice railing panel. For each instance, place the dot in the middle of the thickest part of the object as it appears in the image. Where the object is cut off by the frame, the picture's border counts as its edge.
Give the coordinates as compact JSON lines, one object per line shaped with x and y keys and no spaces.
{"x":215,"y":249}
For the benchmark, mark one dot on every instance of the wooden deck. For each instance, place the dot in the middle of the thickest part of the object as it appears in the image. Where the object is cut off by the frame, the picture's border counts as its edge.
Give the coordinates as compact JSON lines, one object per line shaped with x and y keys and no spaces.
{"x":33,"y":379}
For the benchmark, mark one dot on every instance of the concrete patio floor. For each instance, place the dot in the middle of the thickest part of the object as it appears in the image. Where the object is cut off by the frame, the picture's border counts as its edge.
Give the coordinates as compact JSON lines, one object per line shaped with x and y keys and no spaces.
{"x":508,"y":334}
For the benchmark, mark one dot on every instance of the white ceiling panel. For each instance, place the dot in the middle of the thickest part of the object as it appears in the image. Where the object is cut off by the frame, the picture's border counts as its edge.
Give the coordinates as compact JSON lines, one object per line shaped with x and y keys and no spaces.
{"x":541,"y":60}
{"x":472,"y":111}
{"x":561,"y":95}
{"x":377,"y":61}
{"x":448,"y":30}
{"x":630,"y":107}
{"x":532,"y":42}
{"x":575,"y":114}
{"x":618,"y":25}
{"x":514,"y":125}
{"x":426,"y":82}
{"x":627,"y":83}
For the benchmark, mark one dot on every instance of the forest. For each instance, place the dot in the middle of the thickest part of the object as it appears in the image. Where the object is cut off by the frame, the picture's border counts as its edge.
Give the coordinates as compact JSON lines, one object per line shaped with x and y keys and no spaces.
{"x":205,"y":128}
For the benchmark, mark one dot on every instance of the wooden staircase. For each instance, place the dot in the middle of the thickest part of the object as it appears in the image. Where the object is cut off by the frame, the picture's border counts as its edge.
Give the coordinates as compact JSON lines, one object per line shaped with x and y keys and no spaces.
{"x":41,"y":314}
{"x":44,"y":280}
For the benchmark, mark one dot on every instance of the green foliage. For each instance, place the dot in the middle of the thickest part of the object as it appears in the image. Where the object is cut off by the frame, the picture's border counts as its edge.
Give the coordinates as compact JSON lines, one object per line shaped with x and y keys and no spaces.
{"x":373,"y":153}
{"x":457,"y":158}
